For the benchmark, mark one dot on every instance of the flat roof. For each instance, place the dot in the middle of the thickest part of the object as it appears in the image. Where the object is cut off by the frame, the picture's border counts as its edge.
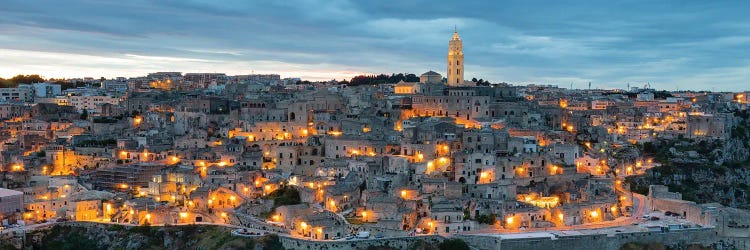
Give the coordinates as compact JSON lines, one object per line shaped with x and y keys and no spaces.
{"x":8,"y":192}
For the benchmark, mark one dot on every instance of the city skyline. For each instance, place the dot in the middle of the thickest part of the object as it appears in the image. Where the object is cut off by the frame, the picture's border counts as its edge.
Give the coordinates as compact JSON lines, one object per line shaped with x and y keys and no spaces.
{"x":693,"y":45}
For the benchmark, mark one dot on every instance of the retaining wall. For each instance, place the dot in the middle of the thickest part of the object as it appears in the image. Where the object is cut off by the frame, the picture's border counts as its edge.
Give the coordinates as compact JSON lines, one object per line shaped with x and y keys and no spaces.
{"x":398,"y":243}
{"x":677,"y":239}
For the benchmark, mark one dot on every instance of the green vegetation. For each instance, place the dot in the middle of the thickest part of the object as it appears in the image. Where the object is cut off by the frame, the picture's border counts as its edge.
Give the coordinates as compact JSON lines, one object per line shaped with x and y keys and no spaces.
{"x":67,"y":238}
{"x":35,"y":78}
{"x":381,"y":79}
{"x":642,"y":246}
{"x":106,"y":119}
{"x":146,"y":237}
{"x":453,"y":244}
{"x":383,"y":247}
{"x":19,"y":79}
{"x":691,"y":178}
{"x":283,"y":196}
{"x":486,"y":219}
{"x":658,"y":246}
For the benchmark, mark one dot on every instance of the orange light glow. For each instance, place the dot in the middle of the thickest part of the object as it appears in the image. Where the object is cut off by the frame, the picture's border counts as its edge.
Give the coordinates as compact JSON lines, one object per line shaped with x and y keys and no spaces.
{"x":594,"y":214}
{"x":443,"y":160}
{"x":16,"y":167}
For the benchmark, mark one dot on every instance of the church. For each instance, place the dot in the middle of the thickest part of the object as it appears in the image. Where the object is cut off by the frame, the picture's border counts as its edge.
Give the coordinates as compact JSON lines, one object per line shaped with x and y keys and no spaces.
{"x":455,"y":62}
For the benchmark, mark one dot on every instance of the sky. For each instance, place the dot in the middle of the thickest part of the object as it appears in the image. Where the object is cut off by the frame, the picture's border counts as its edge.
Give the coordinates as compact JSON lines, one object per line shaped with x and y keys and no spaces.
{"x":696,"y":45}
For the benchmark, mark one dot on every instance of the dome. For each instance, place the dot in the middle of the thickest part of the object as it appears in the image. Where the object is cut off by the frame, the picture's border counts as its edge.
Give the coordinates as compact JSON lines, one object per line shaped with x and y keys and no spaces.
{"x":431,"y":77}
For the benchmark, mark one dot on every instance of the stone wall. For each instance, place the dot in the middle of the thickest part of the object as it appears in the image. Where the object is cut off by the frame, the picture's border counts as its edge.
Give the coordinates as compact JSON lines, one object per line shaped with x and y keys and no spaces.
{"x":678,"y":239}
{"x":689,"y":209}
{"x":398,"y":243}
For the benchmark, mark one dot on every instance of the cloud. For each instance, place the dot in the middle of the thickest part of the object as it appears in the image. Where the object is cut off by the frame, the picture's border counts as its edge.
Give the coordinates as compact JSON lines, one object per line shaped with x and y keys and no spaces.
{"x":667,"y":43}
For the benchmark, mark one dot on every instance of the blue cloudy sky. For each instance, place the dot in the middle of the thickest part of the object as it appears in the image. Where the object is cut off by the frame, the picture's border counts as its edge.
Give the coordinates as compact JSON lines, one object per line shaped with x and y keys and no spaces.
{"x":702,"y":45}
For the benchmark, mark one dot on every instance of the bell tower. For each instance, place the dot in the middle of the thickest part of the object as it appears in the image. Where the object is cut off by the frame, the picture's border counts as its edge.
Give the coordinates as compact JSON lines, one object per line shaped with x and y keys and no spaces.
{"x":455,"y":60}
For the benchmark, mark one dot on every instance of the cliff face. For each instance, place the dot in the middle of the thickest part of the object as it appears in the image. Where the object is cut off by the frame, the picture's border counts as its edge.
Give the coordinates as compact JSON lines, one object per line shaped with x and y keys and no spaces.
{"x":703,"y":170}
{"x":735,"y":150}
{"x":91,"y":236}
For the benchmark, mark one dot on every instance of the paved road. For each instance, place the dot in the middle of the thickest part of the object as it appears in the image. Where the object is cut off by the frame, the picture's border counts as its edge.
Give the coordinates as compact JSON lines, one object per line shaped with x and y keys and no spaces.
{"x":639,"y":202}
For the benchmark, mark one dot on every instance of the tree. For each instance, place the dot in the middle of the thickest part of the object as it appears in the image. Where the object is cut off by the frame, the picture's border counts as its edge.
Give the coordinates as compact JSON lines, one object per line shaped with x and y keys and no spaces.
{"x":382,"y":79}
{"x":84,"y":115}
{"x":453,"y":244}
{"x":27,"y":79}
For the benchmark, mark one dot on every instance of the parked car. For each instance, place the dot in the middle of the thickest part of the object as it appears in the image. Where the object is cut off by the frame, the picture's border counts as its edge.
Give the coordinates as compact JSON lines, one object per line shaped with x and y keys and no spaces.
{"x":363,"y":235}
{"x":654,"y":218}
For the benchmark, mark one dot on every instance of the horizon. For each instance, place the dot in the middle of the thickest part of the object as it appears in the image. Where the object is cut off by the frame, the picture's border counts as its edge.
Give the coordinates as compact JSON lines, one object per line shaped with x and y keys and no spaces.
{"x":672,"y":45}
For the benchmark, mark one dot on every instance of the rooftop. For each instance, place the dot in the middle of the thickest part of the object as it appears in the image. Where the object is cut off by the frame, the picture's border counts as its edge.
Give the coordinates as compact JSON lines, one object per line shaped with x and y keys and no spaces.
{"x":9,"y":192}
